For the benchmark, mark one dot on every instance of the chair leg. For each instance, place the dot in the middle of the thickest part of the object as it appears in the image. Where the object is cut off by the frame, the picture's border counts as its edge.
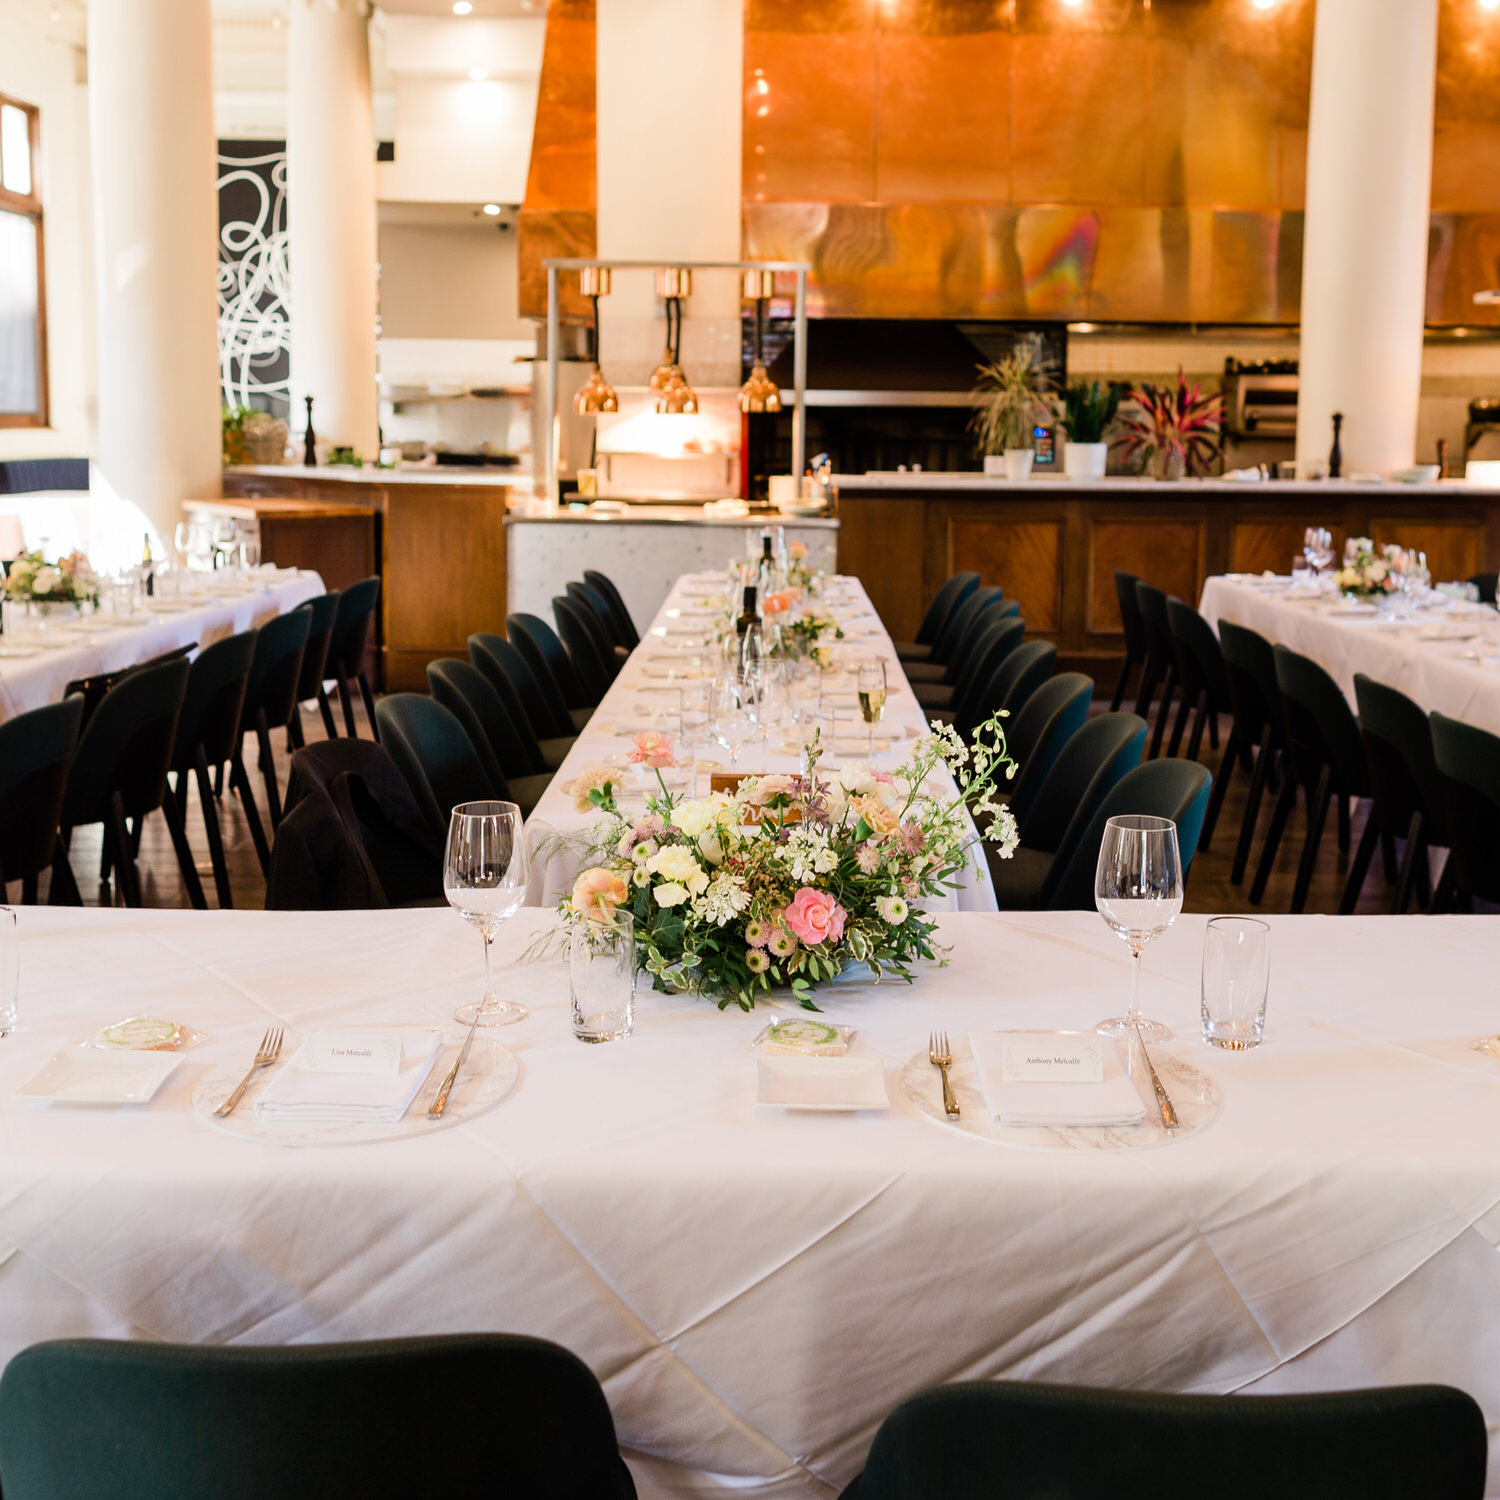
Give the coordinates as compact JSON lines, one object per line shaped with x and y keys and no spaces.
{"x":1221,"y":785}
{"x":348,"y":707}
{"x":1424,"y":876}
{"x":117,"y":829}
{"x":1414,"y":852}
{"x":1213,"y":728}
{"x":1321,"y":798}
{"x":1346,"y":802}
{"x":1447,"y":887}
{"x":1361,"y":866}
{"x":64,"y":888}
{"x":1120,"y":681}
{"x":239,"y":779}
{"x":28,"y":890}
{"x":1200,"y":713}
{"x":268,"y":769}
{"x":326,"y":709}
{"x":1185,"y":710}
{"x":175,"y":826}
{"x":1147,"y":689}
{"x":368,"y":694}
{"x":1258,"y":775}
{"x":1284,"y":804}
{"x":1168,"y":687}
{"x":215,"y":833}
{"x":294,"y":736}
{"x":1388,"y":858}
{"x":219,"y":781}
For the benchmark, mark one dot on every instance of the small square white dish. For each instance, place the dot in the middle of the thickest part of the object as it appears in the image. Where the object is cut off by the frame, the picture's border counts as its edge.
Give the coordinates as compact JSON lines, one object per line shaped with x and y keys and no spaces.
{"x":84,"y":1075}
{"x":821,"y":1084}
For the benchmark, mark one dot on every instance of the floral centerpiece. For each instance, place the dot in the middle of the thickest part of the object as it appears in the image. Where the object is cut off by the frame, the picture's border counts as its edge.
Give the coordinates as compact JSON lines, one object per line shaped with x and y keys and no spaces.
{"x":800,"y":574}
{"x":1370,"y":572}
{"x":791,"y":879}
{"x":800,"y":627}
{"x":70,"y":580}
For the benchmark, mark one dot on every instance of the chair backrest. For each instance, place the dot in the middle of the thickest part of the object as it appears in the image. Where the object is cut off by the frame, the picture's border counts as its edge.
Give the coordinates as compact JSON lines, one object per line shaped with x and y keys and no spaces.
{"x":1087,"y":767}
{"x":1254,"y":694}
{"x":583,"y":650}
{"x":1031,"y":662}
{"x":1005,"y":609}
{"x":92,"y":689}
{"x":324,"y":611}
{"x":353,"y":622}
{"x":961,"y":619}
{"x":1320,"y":725}
{"x":627,"y":634}
{"x":275,"y":668}
{"x":466,"y":693}
{"x":1130,"y":614}
{"x":433,"y":752}
{"x":1175,"y":789}
{"x":1200,"y":662}
{"x":596,"y":605}
{"x":1048,"y":719}
{"x":127,"y":746}
{"x":997,"y":639}
{"x":1026,"y":676}
{"x":538,"y":643}
{"x":214,"y":702}
{"x":535,"y":703}
{"x":944,"y":602}
{"x":36,"y":750}
{"x":440,"y":684}
{"x":1398,"y":755}
{"x":523,"y":1417}
{"x":999,"y":1440}
{"x":1485,"y":583}
{"x":1151,"y":607}
{"x":1468,"y":760}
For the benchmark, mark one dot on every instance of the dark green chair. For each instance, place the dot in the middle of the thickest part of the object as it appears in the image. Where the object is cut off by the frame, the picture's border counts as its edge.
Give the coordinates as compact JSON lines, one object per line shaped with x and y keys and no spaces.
{"x":348,"y":646}
{"x":1257,"y":736}
{"x":576,"y":629}
{"x":608,"y":636}
{"x":944,"y":602}
{"x":36,"y":750}
{"x":119,"y":774}
{"x":538,"y":643}
{"x":994,"y":642}
{"x":1011,"y":683}
{"x":1327,"y":760}
{"x":434,"y":754}
{"x":1130,"y":626}
{"x":1200,"y":670}
{"x":1161,"y":660}
{"x":1175,"y":789}
{"x":1485,"y":583}
{"x":510,"y":753}
{"x":952,"y":647}
{"x":423,"y":1418}
{"x":324,"y":611}
{"x":1406,"y":794}
{"x":625,"y":631}
{"x":999,"y":1440}
{"x":1468,"y":761}
{"x":1048,"y":719}
{"x":208,"y":734}
{"x":532,"y":702}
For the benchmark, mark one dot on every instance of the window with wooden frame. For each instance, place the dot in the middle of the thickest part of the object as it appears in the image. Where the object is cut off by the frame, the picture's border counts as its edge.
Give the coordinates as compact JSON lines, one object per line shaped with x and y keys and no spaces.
{"x":23,"y":295}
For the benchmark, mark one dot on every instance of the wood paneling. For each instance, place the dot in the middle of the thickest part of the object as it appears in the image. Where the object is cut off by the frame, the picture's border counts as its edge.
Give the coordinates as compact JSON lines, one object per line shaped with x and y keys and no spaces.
{"x":1168,"y":553}
{"x":1257,"y":545}
{"x":1023,"y":557}
{"x":886,"y":549}
{"x":1455,"y":549}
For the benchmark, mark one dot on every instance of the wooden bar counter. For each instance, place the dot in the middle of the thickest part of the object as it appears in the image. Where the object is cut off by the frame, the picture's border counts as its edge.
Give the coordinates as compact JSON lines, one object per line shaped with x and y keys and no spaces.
{"x":1054,"y":544}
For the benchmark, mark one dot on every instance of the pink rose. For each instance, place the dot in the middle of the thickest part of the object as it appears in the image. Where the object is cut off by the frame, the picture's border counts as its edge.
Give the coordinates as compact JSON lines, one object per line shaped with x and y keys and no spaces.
{"x":814,"y":916}
{"x":652,"y":748}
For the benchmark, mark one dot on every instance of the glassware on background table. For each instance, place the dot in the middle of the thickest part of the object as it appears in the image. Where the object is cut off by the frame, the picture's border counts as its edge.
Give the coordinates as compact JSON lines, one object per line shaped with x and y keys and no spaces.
{"x":1138,"y":890}
{"x":870,"y":684}
{"x":601,"y":978}
{"x":1236,"y":973}
{"x":1317,"y":547}
{"x":734,"y":724}
{"x":485,"y":871}
{"x":10,"y":972}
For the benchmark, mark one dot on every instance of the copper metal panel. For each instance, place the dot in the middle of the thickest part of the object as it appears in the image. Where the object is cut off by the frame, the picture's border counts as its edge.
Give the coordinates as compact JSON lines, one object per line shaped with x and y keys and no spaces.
{"x":542,"y":235}
{"x":1463,"y":257}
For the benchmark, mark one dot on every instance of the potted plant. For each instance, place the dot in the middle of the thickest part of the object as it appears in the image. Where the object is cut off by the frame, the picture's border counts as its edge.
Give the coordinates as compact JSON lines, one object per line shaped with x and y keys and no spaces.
{"x":1012,"y":396}
{"x":1177,"y":431}
{"x":1088,"y":417}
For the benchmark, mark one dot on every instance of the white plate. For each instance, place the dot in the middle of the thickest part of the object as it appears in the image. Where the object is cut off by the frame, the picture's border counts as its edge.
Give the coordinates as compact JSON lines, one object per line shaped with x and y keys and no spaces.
{"x":821,"y":1084}
{"x":18,"y":651}
{"x":84,"y":1075}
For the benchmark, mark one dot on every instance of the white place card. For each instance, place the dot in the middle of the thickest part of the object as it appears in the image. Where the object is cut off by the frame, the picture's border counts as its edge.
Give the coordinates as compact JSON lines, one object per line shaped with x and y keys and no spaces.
{"x":355,"y":1050}
{"x":1047,"y":1057}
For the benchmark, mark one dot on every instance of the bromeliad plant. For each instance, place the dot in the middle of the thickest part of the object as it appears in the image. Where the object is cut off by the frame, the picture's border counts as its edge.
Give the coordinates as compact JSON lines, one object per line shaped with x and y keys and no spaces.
{"x":1180,"y":426}
{"x":789,"y":880}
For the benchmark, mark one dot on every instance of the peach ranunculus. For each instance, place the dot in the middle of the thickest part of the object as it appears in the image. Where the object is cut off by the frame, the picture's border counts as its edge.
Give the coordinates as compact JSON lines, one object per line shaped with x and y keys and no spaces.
{"x":765,"y":787}
{"x":596,"y":894}
{"x":652,"y":748}
{"x":814,"y":917}
{"x":781,"y":601}
{"x":881,"y":817}
{"x":797,"y":549}
{"x":592,"y":778}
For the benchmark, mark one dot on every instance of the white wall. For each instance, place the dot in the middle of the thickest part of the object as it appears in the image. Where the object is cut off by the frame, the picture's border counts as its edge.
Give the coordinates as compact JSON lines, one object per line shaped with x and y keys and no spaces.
{"x":50,"y":74}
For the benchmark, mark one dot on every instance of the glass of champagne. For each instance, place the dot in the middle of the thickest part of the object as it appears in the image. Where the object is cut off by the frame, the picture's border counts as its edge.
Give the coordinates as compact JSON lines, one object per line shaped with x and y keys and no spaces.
{"x":1138,"y":890}
{"x":871,"y":689}
{"x":485,"y":871}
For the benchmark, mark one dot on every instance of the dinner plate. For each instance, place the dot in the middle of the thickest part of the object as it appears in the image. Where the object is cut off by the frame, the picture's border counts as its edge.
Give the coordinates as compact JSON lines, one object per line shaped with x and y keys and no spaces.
{"x":85,"y":1075}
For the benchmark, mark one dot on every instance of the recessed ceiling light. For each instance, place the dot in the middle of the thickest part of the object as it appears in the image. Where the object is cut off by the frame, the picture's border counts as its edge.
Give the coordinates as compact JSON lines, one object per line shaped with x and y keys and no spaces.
{"x":492,"y":209}
{"x":1489,"y":4}
{"x":462,"y":7}
{"x":478,"y":74}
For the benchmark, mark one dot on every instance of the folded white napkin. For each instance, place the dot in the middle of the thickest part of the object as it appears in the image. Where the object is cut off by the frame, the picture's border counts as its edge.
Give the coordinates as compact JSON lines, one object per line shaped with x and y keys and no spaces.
{"x":1114,"y":1101}
{"x":295,"y":1093}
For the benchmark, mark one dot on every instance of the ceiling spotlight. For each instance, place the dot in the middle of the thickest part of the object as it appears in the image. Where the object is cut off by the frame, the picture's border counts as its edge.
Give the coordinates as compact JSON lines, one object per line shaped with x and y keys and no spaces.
{"x":1269,"y":4}
{"x":478,"y":74}
{"x":462,"y":7}
{"x":1489,"y":4}
{"x":492,"y":209}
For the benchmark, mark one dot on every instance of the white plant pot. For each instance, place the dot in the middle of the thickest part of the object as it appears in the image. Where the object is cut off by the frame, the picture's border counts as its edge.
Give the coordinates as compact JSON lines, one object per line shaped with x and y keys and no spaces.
{"x":994,"y":465}
{"x":1085,"y":460}
{"x":1018,"y":462}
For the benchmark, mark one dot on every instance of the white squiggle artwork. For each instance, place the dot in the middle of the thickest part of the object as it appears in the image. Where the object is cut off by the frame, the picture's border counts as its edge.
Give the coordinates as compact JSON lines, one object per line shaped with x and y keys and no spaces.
{"x":254,"y":302}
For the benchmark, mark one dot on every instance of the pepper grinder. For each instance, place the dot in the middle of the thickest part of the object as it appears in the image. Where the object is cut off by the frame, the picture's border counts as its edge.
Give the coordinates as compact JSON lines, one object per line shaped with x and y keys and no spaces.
{"x":1442,"y":458}
{"x":310,"y":439}
{"x":1336,"y":453}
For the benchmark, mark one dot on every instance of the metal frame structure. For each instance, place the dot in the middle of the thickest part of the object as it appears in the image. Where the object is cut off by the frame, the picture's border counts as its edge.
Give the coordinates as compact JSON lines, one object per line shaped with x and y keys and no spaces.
{"x":799,"y":340}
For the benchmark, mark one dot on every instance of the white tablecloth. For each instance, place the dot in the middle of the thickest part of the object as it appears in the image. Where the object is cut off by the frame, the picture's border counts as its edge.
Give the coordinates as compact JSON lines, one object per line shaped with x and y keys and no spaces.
{"x":29,"y":682}
{"x":633,"y":693}
{"x":1436,"y":674}
{"x":757,"y":1289}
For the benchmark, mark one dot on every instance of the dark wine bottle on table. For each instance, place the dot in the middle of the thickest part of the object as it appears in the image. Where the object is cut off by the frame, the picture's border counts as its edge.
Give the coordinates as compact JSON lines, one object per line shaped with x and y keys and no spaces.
{"x":749,"y":615}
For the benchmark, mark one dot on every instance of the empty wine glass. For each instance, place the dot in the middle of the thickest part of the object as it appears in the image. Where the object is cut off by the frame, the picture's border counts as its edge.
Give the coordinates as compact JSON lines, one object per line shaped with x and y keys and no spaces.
{"x":485,"y":871}
{"x":1317,"y":547}
{"x":871,"y":688}
{"x":1138,"y":890}
{"x":734,"y":724}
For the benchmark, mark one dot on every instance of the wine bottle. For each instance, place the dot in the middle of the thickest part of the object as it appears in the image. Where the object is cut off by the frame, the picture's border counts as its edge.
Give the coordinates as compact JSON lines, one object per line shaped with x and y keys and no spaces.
{"x":148,"y":568}
{"x":749,"y":615}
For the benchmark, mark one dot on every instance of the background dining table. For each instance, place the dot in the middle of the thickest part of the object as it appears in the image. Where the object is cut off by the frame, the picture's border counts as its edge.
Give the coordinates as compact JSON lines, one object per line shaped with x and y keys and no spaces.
{"x":32,"y":675}
{"x":757,"y":1288}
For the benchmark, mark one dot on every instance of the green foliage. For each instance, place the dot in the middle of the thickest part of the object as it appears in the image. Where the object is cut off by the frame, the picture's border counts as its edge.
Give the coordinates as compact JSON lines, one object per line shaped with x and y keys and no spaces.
{"x":1011,"y":397}
{"x":1088,"y":410}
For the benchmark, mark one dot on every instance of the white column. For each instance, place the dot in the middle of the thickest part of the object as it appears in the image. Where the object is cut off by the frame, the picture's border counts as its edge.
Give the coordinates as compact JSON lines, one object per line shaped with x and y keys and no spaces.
{"x":156,"y":233}
{"x":1364,"y":261}
{"x":331,"y":220}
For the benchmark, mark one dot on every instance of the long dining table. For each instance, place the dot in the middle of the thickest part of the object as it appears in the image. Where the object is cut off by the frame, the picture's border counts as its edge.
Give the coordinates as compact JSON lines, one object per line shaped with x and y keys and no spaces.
{"x":755,"y":1287}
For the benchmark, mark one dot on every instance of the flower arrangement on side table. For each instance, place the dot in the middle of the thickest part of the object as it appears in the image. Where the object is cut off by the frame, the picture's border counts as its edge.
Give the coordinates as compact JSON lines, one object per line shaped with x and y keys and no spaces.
{"x":1370,"y":572}
{"x":791,"y":879}
{"x":70,"y":580}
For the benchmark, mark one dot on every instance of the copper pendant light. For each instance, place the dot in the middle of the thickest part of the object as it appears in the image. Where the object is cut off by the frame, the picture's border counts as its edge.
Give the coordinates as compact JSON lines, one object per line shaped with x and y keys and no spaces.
{"x":596,"y":394}
{"x":759,"y":392}
{"x":674,"y":396}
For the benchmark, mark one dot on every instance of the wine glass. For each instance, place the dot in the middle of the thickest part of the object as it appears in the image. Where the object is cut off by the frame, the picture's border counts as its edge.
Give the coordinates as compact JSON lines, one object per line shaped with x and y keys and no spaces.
{"x":485,"y":871}
{"x":871,"y":688}
{"x":1138,"y":890}
{"x":734,"y":725}
{"x":1317,"y":547}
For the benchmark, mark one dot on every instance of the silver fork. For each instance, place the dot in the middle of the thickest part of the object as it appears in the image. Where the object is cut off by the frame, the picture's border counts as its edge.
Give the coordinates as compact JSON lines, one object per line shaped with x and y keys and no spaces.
{"x":941,"y":1057}
{"x":266,"y":1054}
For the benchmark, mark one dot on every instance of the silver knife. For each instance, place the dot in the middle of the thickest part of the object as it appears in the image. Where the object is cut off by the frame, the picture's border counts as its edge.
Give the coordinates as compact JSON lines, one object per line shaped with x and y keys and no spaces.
{"x":1163,"y":1099}
{"x":440,"y":1099}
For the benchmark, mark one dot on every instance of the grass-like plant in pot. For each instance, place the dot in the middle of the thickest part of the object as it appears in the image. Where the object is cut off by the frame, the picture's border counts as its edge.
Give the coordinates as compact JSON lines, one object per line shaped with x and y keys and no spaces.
{"x":1177,"y":431}
{"x":1087,"y":416}
{"x":1012,"y":397}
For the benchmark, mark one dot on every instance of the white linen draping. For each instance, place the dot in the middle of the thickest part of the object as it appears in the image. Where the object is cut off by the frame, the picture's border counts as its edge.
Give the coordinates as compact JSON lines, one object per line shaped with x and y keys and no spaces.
{"x":1434,"y":673}
{"x":28,"y":682}
{"x":757,"y":1289}
{"x":608,"y":732}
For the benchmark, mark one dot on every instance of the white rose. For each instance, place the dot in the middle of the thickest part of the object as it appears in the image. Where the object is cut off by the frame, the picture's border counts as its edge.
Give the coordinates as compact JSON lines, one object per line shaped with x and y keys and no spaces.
{"x":45,"y":581}
{"x":856,"y":778}
{"x":670,"y":895}
{"x":674,"y":863}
